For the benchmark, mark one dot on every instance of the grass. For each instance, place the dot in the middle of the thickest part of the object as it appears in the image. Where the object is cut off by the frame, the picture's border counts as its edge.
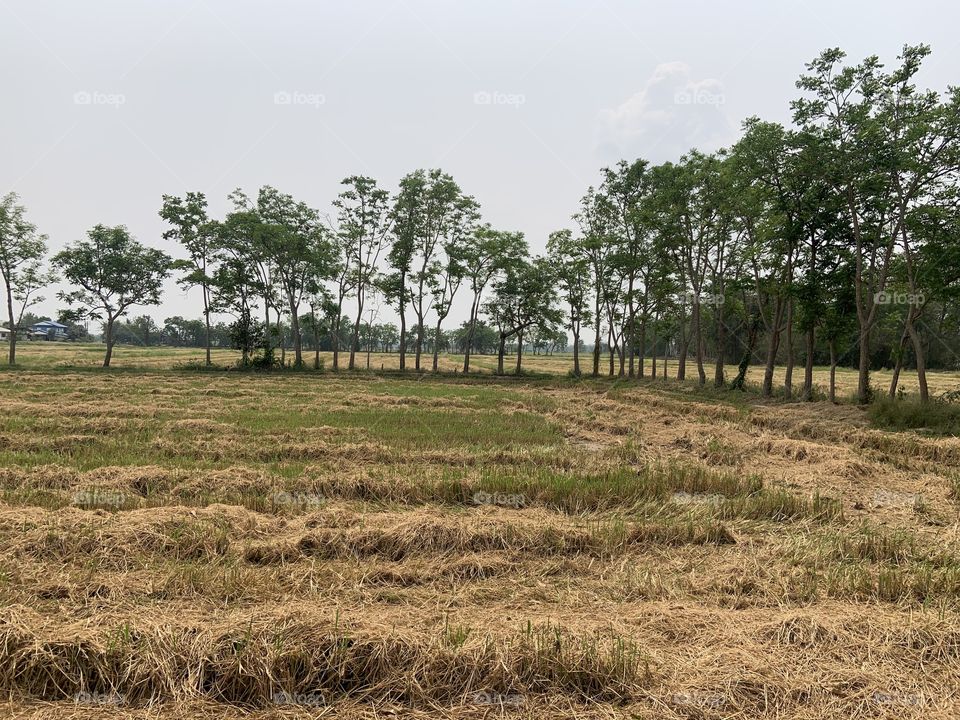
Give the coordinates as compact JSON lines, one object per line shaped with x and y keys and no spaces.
{"x":939,"y":418}
{"x":226,"y":544}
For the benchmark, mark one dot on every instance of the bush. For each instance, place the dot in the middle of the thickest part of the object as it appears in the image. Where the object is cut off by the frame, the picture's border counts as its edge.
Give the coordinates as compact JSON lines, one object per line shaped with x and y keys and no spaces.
{"x":910,"y":414}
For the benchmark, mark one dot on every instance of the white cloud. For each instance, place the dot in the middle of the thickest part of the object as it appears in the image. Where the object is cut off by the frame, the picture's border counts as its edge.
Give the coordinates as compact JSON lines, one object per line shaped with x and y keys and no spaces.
{"x":670,"y":115}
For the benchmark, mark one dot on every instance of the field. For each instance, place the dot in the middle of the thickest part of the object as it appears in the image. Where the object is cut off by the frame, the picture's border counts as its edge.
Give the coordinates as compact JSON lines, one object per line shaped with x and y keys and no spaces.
{"x":183,"y":544}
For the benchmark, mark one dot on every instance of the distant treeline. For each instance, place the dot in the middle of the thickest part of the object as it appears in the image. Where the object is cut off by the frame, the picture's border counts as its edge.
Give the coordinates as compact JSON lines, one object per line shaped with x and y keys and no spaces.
{"x":835,"y":240}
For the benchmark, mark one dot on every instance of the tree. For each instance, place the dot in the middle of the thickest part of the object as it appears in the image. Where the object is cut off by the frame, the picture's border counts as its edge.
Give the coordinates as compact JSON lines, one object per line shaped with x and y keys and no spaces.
{"x":299,"y":249}
{"x":438,"y":213}
{"x":486,"y":253}
{"x":192,"y":229}
{"x":21,"y":255}
{"x":923,"y":153}
{"x":842,"y":113}
{"x":523,"y":298}
{"x":571,"y":268}
{"x":364,"y":226}
{"x":626,"y":188}
{"x":594,"y":220}
{"x":114,"y":272}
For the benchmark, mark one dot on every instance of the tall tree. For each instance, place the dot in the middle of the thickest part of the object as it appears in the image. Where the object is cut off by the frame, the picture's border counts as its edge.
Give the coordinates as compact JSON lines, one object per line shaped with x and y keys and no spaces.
{"x":21,"y":265}
{"x":113,"y":272}
{"x":572,"y":270}
{"x":485,"y":254}
{"x":441,"y":213}
{"x":191,"y":228}
{"x":300,"y":250}
{"x":364,"y":225}
{"x":843,"y":112}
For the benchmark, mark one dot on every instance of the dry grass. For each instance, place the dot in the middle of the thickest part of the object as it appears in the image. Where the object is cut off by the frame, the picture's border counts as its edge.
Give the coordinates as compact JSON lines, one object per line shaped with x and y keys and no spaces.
{"x":182,"y":545}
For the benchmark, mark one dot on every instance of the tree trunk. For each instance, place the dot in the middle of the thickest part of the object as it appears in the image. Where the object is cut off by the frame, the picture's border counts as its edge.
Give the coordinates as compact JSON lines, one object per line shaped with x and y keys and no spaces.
{"x":698,"y":339}
{"x":109,"y":339}
{"x":12,"y":357}
{"x":355,"y":335}
{"x":403,"y":323}
{"x":682,"y":350}
{"x":833,"y":370}
{"x":596,"y":343}
{"x":418,"y":348}
{"x":744,"y":366}
{"x":772,"y":349}
{"x":610,"y":348}
{"x":335,"y":340}
{"x":297,"y":340}
{"x":206,"y":317}
{"x":719,"y":377}
{"x":519,"y":351}
{"x":788,"y":374}
{"x":863,"y":381}
{"x":919,"y":356}
{"x":653,"y":356}
{"x":576,"y":353}
{"x":436,"y":346}
{"x":470,"y":333}
{"x":898,"y":361}
{"x":316,"y":339}
{"x":811,"y":340}
{"x":682,"y":358}
{"x":500,"y":351}
{"x":641,"y":355}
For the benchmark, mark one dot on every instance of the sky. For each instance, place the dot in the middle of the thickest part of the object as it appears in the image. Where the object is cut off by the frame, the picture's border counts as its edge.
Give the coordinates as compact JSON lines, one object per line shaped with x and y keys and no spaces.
{"x":107,"y":105}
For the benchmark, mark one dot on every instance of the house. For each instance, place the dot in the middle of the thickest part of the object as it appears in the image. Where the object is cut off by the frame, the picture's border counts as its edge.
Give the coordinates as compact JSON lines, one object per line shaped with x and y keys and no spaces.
{"x":4,"y":333}
{"x":50,"y":330}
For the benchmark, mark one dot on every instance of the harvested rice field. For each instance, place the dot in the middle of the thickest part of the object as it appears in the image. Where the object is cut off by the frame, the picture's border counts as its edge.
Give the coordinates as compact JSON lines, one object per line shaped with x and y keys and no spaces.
{"x":229,"y":545}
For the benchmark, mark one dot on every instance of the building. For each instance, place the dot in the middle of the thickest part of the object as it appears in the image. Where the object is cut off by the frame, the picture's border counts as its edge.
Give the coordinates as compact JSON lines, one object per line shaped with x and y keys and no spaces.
{"x":4,"y":333}
{"x":50,"y":330}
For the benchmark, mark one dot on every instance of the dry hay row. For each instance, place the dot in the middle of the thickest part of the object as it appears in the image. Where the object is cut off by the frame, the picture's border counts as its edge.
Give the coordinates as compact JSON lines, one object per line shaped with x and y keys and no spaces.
{"x":894,"y":446}
{"x":120,"y":542}
{"x":253,"y":665}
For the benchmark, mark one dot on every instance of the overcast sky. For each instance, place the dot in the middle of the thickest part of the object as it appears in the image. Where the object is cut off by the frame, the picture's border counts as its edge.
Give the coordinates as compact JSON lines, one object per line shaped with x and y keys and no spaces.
{"x":109,"y":104}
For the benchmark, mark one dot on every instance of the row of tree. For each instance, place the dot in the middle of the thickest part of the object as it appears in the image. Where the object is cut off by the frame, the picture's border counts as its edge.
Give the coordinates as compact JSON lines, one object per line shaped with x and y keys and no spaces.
{"x":831,"y":231}
{"x":828,"y":235}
